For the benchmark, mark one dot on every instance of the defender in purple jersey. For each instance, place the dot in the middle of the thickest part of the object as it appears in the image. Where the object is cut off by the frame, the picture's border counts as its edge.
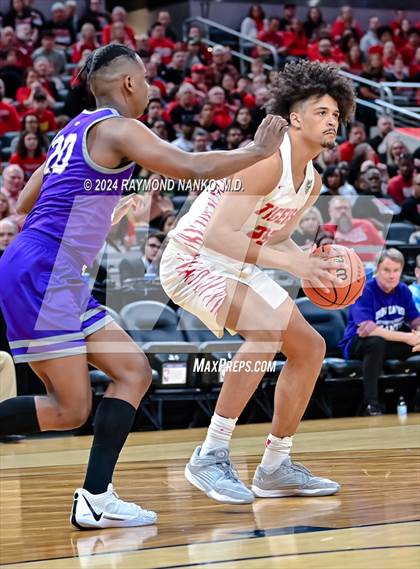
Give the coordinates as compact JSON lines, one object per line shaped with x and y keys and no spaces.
{"x":53,"y":323}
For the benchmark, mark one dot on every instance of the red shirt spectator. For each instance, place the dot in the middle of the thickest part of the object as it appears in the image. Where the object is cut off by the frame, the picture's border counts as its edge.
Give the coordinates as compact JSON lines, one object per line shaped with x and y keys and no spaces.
{"x":345,"y":22}
{"x":325,"y":52}
{"x":28,"y":164}
{"x":272,"y":34}
{"x":46,"y":117}
{"x":295,"y":40}
{"x":9,"y":119}
{"x":158,"y":43}
{"x":400,"y":186}
{"x":118,"y":15}
{"x":357,"y":135}
{"x":408,"y":52}
{"x":87,"y":41}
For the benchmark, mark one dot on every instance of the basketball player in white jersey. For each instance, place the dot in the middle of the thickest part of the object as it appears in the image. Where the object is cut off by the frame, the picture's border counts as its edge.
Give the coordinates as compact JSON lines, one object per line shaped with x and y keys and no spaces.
{"x":211,"y":267}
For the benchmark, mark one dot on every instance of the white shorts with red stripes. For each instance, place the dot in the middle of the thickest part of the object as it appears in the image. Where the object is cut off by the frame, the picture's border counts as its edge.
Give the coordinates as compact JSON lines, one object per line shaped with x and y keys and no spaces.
{"x":197,"y":282}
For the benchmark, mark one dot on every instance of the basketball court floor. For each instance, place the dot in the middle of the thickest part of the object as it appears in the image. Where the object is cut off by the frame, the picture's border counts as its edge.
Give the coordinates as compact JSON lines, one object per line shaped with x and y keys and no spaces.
{"x":372,"y":523}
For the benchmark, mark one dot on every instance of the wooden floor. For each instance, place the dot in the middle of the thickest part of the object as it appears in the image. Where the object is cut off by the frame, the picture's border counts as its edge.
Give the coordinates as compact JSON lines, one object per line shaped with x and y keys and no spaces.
{"x":372,"y":523}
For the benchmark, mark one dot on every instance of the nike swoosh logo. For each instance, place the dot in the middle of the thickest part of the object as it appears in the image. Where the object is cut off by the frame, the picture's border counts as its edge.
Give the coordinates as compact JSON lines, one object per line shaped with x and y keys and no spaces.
{"x":94,"y":514}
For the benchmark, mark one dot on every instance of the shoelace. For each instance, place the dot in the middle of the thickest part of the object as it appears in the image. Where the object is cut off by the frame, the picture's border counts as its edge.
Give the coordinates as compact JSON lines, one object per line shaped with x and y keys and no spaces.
{"x":300,"y":468}
{"x":113,"y":493}
{"x":229,"y":470}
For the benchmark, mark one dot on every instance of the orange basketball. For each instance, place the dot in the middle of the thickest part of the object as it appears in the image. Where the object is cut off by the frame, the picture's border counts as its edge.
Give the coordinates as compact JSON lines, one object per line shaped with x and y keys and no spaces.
{"x":353,"y":280}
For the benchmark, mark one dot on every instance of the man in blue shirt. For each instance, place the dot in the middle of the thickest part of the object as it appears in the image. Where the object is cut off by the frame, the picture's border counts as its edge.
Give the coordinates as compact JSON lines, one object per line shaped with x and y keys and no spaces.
{"x":382,"y":324}
{"x":415,"y":287}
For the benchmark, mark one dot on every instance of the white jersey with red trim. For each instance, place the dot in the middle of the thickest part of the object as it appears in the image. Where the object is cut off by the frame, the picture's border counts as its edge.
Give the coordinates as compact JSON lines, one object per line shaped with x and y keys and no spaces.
{"x":270,"y":214}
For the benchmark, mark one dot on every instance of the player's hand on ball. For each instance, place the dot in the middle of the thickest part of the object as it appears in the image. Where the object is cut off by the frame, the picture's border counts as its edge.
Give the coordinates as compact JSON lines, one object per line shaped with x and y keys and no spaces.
{"x":270,"y":134}
{"x":316,"y":269}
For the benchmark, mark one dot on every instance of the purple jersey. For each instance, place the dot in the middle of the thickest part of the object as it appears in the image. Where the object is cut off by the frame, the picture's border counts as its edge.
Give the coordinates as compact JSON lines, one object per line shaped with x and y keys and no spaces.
{"x":78,"y":197}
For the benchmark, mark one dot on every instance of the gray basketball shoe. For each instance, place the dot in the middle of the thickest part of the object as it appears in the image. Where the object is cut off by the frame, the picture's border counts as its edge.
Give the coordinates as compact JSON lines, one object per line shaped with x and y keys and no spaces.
{"x":216,"y":476}
{"x":291,"y":479}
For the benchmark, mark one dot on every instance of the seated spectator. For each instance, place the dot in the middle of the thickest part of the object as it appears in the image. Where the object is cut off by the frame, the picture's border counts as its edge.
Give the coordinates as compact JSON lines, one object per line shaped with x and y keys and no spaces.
{"x":259,"y":112}
{"x":200,"y":140}
{"x":408,"y":51}
{"x":313,"y":23}
{"x":231,"y":140}
{"x":197,"y":79}
{"x":289,"y":12}
{"x":400,"y":187}
{"x":243,"y":119}
{"x":60,"y":26}
{"x":153,"y":78}
{"x":206,"y":121}
{"x":415,"y":287}
{"x":308,"y":228}
{"x":196,"y":53}
{"x":168,"y":222}
{"x":118,"y":35}
{"x":410,"y":210}
{"x":70,"y":8}
{"x":372,"y":204}
{"x":389,"y":54}
{"x":25,"y":95}
{"x":87,"y":41}
{"x":29,"y":154}
{"x":385,"y":125}
{"x":252,"y":25}
{"x":370,"y":39}
{"x":148,"y":264}
{"x":333,"y":183}
{"x":54,"y":55}
{"x":186,"y":106}
{"x":328,"y":157}
{"x":359,"y":234}
{"x":8,"y":231}
{"x":45,"y":117}
{"x":394,"y":148}
{"x":354,"y":60}
{"x":12,"y":46}
{"x":155,"y":204}
{"x":345,"y":21}
{"x":295,"y":39}
{"x":185,"y":139}
{"x":118,"y":14}
{"x":95,"y":15}
{"x":13,"y":182}
{"x":48,"y":80}
{"x":273,"y":36}
{"x":223,"y":113}
{"x":174,"y":72}
{"x":164,"y":18}
{"x":9,"y":118}
{"x":4,"y":206}
{"x":160,"y":129}
{"x":325,"y":52}
{"x":154,"y":112}
{"x":158,"y":43}
{"x":233,"y":99}
{"x":362,"y":153}
{"x":382,"y":324}
{"x":221,"y":65}
{"x":357,"y":134}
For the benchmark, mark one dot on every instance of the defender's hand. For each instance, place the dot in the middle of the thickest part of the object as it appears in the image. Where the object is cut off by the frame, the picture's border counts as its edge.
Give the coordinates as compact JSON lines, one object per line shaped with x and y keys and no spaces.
{"x":270,"y":134}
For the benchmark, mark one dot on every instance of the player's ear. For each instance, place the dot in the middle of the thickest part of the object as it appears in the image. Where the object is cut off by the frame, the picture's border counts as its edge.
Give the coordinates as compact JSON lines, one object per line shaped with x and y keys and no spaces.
{"x":129,"y":83}
{"x":295,"y":119}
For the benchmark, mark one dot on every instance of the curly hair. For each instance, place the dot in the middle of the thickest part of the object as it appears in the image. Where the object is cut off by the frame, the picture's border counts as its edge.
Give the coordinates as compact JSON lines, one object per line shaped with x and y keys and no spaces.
{"x":304,"y":79}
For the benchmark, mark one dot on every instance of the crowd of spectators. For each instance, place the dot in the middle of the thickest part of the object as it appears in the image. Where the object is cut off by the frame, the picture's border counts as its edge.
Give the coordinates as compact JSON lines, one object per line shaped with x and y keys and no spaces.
{"x":200,"y":99}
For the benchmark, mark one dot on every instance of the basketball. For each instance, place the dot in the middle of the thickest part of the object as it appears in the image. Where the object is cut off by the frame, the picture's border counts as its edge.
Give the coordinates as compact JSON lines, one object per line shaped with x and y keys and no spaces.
{"x":353,"y":280}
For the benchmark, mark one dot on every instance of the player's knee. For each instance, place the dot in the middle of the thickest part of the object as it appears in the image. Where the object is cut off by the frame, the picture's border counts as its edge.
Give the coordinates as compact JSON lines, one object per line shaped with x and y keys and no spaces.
{"x":73,"y":417}
{"x":137,"y":373}
{"x":318,"y":345}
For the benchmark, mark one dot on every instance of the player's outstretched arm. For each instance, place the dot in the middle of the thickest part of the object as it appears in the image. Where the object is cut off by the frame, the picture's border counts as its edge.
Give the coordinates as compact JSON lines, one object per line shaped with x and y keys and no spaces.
{"x":134,"y":141}
{"x":30,"y":192}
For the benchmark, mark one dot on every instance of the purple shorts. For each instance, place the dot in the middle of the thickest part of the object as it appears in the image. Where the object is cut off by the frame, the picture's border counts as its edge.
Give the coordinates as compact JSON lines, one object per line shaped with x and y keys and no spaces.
{"x":46,"y":304}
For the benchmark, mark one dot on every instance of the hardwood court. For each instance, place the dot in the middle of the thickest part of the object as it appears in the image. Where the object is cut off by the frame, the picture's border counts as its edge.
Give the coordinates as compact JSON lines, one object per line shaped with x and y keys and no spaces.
{"x":372,"y":523}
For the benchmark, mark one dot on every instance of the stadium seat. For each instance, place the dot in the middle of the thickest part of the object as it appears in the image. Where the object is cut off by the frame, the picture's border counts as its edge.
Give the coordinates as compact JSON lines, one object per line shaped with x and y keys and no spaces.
{"x":400,"y":231}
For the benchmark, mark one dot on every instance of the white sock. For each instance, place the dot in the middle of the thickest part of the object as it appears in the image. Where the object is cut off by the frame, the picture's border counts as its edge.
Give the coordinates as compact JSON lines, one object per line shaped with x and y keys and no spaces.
{"x":276,"y":451}
{"x":219,"y":433}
